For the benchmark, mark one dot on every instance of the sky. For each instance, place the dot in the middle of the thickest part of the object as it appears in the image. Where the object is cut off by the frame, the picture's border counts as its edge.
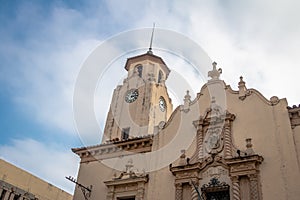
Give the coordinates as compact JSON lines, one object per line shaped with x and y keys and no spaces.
{"x":45,"y":43}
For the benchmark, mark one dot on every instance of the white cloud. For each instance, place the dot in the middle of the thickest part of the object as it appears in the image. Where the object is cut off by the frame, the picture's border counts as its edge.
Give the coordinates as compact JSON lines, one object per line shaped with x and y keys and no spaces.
{"x":256,"y":39}
{"x":50,"y":162}
{"x":45,"y":68}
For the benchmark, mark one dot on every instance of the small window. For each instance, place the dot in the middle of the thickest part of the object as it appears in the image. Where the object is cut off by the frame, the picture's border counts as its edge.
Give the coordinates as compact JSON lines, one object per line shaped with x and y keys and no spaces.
{"x":125,"y":133}
{"x":140,"y":70}
{"x":160,"y":75}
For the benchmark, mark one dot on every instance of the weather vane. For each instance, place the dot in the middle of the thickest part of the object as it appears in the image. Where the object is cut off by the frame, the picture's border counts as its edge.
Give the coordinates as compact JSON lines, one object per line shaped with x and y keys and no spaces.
{"x":151,"y":40}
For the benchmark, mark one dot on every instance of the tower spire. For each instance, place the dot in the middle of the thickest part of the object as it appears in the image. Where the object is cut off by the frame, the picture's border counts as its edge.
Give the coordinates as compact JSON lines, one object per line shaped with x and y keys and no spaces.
{"x":151,"y":40}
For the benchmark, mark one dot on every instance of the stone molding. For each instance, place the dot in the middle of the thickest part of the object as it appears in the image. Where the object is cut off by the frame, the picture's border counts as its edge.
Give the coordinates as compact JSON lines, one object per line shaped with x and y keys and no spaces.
{"x":246,"y":166}
{"x":114,"y":149}
{"x":238,"y":166}
{"x":235,"y":162}
{"x":214,"y":119}
{"x":134,"y":185}
{"x":15,"y":192}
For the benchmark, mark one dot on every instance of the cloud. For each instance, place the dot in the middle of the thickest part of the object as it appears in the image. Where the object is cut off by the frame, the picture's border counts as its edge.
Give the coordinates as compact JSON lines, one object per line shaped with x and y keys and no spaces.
{"x":43,"y":49}
{"x":259,"y":40}
{"x":256,"y":39}
{"x":45,"y":66}
{"x":50,"y":162}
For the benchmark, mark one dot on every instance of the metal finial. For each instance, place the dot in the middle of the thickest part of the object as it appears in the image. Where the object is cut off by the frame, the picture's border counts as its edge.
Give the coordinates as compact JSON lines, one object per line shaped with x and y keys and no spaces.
{"x":151,"y":40}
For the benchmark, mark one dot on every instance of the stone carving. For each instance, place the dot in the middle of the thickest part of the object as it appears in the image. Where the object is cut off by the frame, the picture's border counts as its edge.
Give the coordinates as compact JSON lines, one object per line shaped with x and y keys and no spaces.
{"x":227,"y":141}
{"x":294,"y":114}
{"x":245,"y":166}
{"x":187,"y":101}
{"x":235,"y":188}
{"x":182,"y":160}
{"x":214,"y":158}
{"x":178,"y":191}
{"x":254,"y":187}
{"x":215,"y":74}
{"x":249,"y":150}
{"x":214,"y":182}
{"x":194,"y":193}
{"x":243,"y":91}
{"x":274,"y":100}
{"x":127,"y":181}
{"x":214,"y":134}
{"x":215,"y":172}
{"x":213,"y":140}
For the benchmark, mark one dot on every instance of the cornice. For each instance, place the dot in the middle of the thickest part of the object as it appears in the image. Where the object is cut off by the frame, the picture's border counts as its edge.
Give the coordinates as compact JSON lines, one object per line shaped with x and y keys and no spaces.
{"x":114,"y":149}
{"x":274,"y":100}
{"x":117,"y":182}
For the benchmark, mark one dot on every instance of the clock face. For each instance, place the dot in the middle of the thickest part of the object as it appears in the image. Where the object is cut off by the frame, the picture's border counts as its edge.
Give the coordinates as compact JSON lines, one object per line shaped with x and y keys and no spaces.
{"x":162,"y":104}
{"x":131,"y":95}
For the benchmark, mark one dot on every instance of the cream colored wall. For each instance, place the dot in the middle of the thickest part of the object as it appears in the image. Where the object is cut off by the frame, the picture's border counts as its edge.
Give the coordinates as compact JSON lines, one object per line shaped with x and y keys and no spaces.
{"x":144,"y":113}
{"x":178,"y":134}
{"x":271,"y":134}
{"x":268,"y":125}
{"x":93,"y":173}
{"x":296,"y":133}
{"x":28,"y":182}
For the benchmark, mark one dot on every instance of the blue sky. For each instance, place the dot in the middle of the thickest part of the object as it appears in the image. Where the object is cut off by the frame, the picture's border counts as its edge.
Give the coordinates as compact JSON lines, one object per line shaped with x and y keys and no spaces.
{"x":44,"y":43}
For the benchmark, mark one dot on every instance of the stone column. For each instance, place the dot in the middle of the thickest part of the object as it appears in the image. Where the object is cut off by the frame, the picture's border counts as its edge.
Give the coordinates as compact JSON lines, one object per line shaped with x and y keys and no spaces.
{"x":200,"y":142}
{"x":110,"y":194}
{"x":227,"y":140}
{"x":140,"y":191}
{"x":194,"y":193}
{"x":254,"y":192}
{"x":12,"y":195}
{"x":235,"y":188}
{"x":178,"y":191}
{"x":7,"y":195}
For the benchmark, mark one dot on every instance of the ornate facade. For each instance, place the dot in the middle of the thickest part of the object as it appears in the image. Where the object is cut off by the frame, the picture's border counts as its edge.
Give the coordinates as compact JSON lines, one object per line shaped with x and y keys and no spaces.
{"x":224,"y":144}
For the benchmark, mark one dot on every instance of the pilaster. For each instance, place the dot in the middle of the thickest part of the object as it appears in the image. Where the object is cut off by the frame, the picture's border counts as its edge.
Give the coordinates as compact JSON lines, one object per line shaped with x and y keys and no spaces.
{"x":178,"y":191}
{"x":254,"y":191}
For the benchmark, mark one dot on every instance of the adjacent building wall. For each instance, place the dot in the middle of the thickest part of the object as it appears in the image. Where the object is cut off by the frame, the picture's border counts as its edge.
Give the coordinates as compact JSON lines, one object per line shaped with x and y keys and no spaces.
{"x":22,"y":180}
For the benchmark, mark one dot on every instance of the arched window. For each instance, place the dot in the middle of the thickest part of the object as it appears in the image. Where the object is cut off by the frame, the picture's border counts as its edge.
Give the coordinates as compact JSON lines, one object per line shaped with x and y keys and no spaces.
{"x":160,"y":75}
{"x":140,"y":70}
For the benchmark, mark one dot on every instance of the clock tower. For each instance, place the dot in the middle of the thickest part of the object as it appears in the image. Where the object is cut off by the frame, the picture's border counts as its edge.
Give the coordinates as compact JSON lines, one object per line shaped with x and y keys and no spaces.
{"x":141,"y":102}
